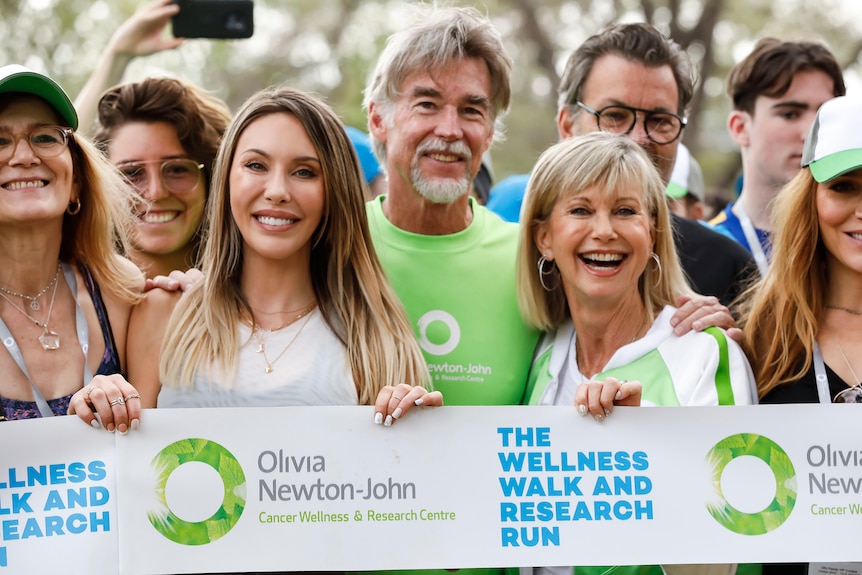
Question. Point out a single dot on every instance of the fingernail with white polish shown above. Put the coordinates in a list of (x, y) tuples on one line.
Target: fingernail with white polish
[(582, 410), (397, 413), (135, 424), (95, 423), (419, 401), (388, 421), (378, 418)]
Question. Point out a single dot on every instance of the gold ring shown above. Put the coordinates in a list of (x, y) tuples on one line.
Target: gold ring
[(118, 401), (396, 397), (90, 389), (132, 396)]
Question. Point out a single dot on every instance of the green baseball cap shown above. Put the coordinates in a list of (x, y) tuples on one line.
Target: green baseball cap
[(834, 143), (687, 177), (16, 78)]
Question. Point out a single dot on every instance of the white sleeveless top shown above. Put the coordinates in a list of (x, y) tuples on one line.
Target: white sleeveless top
[(313, 371)]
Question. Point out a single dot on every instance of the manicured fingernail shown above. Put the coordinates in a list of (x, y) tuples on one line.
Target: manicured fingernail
[(582, 410), (95, 423), (111, 428), (123, 429), (419, 401), (619, 395), (397, 413), (135, 424), (607, 412), (388, 421), (600, 418), (378, 418)]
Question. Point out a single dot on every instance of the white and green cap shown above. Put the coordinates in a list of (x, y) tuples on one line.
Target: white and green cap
[(16, 78), (834, 143), (687, 177)]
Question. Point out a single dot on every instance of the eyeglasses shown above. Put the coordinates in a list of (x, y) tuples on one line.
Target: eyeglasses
[(45, 141), (177, 175), (849, 395), (660, 127)]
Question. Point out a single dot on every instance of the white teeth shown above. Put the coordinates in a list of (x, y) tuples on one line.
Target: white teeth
[(27, 184), (443, 157), (270, 221), (159, 217), (603, 257), (856, 236)]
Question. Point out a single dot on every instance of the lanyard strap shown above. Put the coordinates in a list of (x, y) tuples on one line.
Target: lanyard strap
[(753, 240), (820, 376), (83, 339)]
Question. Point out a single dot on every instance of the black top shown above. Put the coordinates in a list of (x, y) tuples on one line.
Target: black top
[(714, 264), (803, 390)]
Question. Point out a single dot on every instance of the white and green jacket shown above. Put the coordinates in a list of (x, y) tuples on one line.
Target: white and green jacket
[(698, 368)]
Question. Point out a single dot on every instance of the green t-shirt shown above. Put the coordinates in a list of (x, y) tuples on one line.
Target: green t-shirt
[(459, 293)]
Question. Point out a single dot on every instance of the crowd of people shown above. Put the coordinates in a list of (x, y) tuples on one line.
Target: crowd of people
[(324, 281)]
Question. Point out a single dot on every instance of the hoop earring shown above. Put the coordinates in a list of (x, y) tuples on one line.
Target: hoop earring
[(73, 208), (549, 273), (655, 257)]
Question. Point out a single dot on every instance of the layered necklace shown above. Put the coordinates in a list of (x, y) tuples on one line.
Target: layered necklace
[(260, 336), (33, 299), (50, 340)]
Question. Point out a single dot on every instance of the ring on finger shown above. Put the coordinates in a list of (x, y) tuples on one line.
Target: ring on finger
[(132, 396), (89, 390), (118, 401), (396, 397)]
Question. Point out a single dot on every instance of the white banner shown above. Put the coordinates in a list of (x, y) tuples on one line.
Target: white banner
[(222, 490)]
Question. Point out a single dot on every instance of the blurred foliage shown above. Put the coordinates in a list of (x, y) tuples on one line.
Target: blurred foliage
[(328, 46)]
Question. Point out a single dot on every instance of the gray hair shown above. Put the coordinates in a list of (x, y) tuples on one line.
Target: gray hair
[(638, 42), (435, 37)]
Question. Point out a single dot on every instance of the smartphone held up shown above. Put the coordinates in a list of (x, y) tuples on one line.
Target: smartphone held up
[(223, 19)]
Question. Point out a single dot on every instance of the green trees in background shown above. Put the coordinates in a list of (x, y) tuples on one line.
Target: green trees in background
[(328, 46)]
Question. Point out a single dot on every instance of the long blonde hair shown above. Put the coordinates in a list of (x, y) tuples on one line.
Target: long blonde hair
[(100, 230), (612, 163), (355, 298), (780, 312)]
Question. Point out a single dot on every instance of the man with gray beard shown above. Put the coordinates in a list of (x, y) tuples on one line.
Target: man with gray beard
[(435, 104)]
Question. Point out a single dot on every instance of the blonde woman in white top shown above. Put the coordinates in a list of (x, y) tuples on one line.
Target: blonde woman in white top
[(294, 308)]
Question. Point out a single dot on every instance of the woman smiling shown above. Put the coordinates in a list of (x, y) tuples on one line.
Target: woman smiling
[(597, 269)]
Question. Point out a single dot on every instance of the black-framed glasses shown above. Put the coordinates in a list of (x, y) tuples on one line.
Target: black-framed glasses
[(45, 141), (660, 127), (177, 174), (849, 395)]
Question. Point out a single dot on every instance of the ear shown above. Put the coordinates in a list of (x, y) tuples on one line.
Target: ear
[(738, 124), (376, 122), (565, 123), (543, 240)]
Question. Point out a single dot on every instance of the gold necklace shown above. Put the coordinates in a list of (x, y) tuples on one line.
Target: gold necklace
[(49, 339), (261, 341)]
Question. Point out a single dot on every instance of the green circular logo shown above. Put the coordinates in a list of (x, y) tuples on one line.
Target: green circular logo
[(779, 463), (232, 476)]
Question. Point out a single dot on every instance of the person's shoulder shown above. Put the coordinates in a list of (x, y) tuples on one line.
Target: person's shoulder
[(507, 196), (692, 231)]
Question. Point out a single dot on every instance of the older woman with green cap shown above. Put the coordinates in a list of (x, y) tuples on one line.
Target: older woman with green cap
[(65, 294)]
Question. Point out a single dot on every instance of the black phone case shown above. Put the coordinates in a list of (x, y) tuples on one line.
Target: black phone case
[(214, 19)]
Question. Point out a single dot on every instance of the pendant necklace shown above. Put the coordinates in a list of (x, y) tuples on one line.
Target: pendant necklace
[(49, 339), (33, 299), (261, 340)]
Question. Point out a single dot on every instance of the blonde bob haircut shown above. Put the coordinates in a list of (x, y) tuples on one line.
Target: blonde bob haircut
[(612, 163), (780, 313), (354, 296)]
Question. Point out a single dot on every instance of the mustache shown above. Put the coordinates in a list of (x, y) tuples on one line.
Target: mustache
[(440, 145)]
